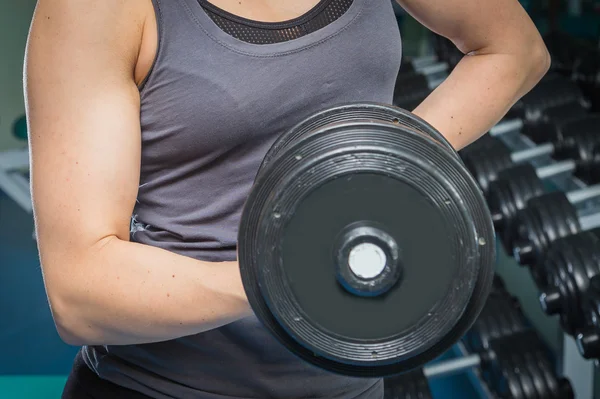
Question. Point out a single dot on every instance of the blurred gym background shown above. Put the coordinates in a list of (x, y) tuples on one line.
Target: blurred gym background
[(34, 362)]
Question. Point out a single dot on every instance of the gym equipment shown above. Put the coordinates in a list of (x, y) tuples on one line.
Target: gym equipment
[(545, 219), (509, 193), (412, 88), (513, 366), (423, 69), (337, 234), (567, 269), (518, 367), (489, 159), (556, 122), (14, 165), (409, 93), (411, 385), (501, 316), (588, 339), (589, 170), (541, 123)]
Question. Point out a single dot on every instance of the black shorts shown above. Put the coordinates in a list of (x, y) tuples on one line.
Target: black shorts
[(83, 383)]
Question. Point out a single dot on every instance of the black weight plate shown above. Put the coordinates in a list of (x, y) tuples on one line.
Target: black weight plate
[(545, 219), (589, 170), (409, 385), (588, 339), (509, 193), (479, 145), (554, 123), (532, 365), (413, 188), (578, 138), (570, 264), (351, 112), (485, 165), (551, 93), (522, 375)]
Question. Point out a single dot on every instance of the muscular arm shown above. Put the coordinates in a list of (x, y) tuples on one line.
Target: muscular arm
[(83, 108), (505, 58)]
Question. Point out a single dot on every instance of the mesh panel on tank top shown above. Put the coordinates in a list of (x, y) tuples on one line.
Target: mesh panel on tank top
[(255, 32)]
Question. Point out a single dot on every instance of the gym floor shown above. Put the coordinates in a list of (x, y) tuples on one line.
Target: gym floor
[(34, 362)]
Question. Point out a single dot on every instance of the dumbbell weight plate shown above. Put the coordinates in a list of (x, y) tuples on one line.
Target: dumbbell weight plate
[(509, 193), (546, 218), (348, 113), (522, 375), (392, 179), (569, 264), (484, 163)]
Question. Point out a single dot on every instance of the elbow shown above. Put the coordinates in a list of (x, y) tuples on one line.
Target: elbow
[(538, 61), (68, 326)]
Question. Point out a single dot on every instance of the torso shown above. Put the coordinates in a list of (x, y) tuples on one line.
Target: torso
[(210, 107), (257, 10)]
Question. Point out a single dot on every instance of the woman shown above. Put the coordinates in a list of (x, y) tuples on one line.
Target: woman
[(148, 121)]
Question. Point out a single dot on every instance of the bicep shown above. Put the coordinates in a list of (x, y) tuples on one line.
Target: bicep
[(475, 25), (83, 111)]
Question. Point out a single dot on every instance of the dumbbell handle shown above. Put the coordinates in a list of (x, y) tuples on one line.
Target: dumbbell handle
[(453, 366), (589, 222), (420, 62), (523, 250), (511, 125), (533, 152), (432, 69), (583, 194)]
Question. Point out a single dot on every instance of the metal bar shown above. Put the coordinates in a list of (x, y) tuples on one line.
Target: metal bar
[(431, 69), (555, 169), (14, 159), (453, 366), (423, 61), (534, 152), (578, 370), (13, 187), (590, 221), (584, 194), (474, 375), (505, 127)]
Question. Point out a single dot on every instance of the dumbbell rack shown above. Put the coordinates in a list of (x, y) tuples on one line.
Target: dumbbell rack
[(12, 180), (577, 369)]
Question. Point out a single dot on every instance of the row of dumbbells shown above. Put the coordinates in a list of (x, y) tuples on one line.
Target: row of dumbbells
[(552, 232), (504, 350)]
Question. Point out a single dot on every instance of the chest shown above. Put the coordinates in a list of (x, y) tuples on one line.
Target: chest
[(266, 10), (212, 98)]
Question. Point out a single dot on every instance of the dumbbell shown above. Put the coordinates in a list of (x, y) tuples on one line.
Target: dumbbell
[(423, 65), (556, 122), (541, 123), (501, 316), (523, 351), (487, 162), (588, 170), (509, 193), (409, 93), (565, 275), (336, 236), (411, 385), (588, 339), (412, 88), (520, 368), (545, 219)]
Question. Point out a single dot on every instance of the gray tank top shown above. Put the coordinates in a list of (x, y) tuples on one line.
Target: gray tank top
[(210, 108)]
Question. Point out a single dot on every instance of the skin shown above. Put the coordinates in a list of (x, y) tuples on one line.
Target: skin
[(84, 62)]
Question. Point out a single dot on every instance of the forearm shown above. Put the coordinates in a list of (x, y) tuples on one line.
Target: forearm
[(127, 293), (478, 93)]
